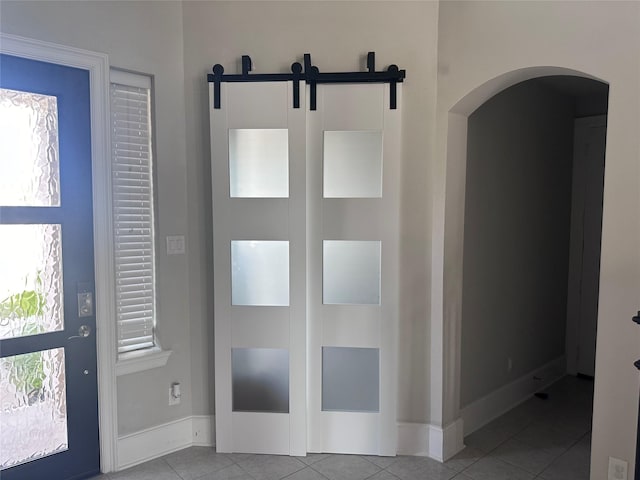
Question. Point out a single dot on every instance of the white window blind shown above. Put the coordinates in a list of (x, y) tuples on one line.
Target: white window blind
[(133, 222)]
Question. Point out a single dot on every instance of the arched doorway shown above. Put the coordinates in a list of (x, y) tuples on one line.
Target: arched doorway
[(450, 290)]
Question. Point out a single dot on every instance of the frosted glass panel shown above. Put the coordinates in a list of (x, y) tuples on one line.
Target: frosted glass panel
[(33, 415), (260, 378), (29, 160), (352, 164), (259, 272), (350, 379), (258, 163), (351, 272), (30, 280)]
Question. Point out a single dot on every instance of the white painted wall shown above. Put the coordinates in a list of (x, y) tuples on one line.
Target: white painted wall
[(516, 236), (144, 37), (338, 35), (479, 44)]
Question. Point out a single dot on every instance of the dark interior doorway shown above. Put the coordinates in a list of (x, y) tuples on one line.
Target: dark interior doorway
[(533, 216)]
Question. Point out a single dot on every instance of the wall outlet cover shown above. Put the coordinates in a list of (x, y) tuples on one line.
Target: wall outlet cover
[(617, 469), (175, 245), (173, 399)]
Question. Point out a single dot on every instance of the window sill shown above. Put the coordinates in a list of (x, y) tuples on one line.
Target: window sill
[(139, 361)]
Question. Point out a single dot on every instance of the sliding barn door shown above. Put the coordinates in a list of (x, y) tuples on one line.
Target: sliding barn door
[(353, 155), (306, 253), (259, 241)]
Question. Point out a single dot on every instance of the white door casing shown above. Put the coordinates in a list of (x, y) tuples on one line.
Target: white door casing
[(586, 232)]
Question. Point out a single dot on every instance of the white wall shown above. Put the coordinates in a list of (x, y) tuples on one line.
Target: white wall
[(144, 37), (516, 236), (338, 35), (480, 42)]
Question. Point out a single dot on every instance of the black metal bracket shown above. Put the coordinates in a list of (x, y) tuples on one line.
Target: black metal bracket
[(312, 77), (218, 76)]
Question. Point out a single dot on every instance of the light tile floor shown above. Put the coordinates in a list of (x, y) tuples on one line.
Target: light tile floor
[(544, 439)]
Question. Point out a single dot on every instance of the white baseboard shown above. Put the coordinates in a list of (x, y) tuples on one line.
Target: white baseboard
[(498, 402), (413, 439), (203, 431), (428, 440), (452, 441), (154, 442)]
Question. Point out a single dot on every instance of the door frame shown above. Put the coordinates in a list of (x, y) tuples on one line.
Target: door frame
[(97, 64), (572, 336)]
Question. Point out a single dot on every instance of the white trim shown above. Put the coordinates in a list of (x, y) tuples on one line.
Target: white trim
[(498, 402), (98, 66), (413, 439), (139, 360), (445, 442), (154, 442), (425, 440), (203, 434)]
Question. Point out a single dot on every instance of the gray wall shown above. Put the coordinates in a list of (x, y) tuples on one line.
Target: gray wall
[(145, 37), (516, 237)]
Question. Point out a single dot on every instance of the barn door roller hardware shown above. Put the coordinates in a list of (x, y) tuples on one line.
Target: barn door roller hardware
[(312, 76)]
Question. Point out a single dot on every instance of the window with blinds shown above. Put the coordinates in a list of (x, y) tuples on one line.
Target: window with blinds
[(133, 221)]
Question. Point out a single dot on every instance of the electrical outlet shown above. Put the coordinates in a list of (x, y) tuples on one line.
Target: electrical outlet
[(617, 469), (174, 394)]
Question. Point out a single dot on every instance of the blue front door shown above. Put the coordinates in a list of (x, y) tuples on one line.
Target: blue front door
[(48, 384)]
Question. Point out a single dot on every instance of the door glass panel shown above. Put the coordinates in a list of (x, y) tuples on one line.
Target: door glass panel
[(352, 164), (258, 163), (351, 272), (29, 160), (260, 378), (260, 273), (31, 280), (33, 416), (350, 379)]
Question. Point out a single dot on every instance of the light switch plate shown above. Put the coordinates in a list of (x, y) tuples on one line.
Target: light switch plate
[(175, 244), (617, 469)]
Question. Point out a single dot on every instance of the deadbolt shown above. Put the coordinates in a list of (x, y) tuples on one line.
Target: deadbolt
[(85, 304)]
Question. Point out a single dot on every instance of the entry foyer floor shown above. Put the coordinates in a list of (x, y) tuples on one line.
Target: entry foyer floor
[(544, 439)]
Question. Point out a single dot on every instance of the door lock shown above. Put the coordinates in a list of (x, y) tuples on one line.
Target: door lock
[(83, 332), (85, 304)]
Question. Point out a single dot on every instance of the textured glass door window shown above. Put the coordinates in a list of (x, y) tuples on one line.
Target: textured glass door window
[(258, 163), (260, 273), (351, 272), (33, 415), (30, 280), (350, 379), (29, 160), (260, 378), (352, 164)]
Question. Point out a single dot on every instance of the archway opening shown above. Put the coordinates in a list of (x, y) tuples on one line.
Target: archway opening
[(531, 249)]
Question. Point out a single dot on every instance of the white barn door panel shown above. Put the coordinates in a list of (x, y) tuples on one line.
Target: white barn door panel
[(259, 242), (353, 158)]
